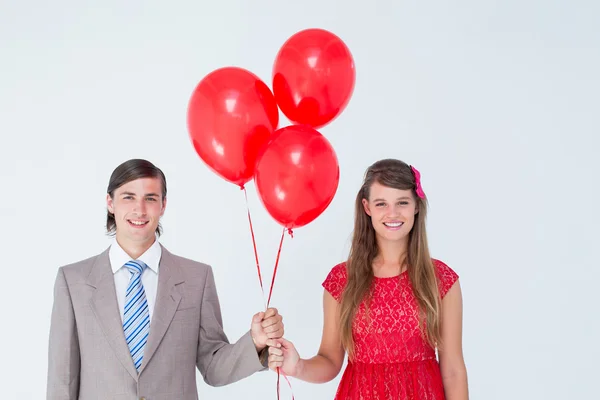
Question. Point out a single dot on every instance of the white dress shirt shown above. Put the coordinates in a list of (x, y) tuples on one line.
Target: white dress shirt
[(118, 257)]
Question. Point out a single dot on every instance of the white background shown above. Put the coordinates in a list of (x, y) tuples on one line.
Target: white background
[(495, 102)]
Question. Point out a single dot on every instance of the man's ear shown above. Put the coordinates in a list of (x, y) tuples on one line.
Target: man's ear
[(109, 204), (164, 206)]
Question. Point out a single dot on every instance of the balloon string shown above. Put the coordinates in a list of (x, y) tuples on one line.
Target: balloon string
[(288, 382), (277, 263), (269, 301), (279, 373), (254, 245)]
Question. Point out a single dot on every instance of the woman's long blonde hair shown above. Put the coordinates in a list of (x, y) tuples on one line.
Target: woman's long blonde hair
[(421, 271)]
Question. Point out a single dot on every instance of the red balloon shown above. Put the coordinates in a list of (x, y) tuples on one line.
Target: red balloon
[(231, 116), (313, 77), (297, 175)]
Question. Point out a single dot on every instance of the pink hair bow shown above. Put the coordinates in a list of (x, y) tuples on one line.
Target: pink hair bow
[(418, 187)]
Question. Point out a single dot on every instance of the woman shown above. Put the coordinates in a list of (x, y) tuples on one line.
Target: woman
[(390, 306)]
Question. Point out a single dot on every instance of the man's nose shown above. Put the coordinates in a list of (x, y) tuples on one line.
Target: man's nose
[(140, 207)]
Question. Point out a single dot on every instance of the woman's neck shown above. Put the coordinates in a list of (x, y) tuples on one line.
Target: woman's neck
[(391, 258)]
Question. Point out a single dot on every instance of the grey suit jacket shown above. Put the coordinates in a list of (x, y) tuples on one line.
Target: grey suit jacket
[(89, 359)]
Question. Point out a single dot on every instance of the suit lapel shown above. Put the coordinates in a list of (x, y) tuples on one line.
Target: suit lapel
[(167, 300), (105, 307)]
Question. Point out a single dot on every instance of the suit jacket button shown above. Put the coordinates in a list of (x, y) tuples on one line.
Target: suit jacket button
[(142, 398)]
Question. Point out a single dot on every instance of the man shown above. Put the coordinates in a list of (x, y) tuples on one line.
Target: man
[(135, 321)]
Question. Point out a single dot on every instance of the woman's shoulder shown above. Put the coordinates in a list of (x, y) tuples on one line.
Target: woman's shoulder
[(446, 276), (335, 281)]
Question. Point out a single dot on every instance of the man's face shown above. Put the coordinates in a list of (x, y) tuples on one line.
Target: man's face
[(137, 207)]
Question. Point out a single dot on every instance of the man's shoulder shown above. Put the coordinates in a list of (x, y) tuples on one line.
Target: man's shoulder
[(187, 264), (82, 267)]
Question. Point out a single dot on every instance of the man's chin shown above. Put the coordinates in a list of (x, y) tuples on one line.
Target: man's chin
[(140, 236)]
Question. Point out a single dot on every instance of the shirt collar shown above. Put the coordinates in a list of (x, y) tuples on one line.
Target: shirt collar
[(118, 257)]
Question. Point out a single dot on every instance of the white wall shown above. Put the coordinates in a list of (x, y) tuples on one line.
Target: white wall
[(495, 102)]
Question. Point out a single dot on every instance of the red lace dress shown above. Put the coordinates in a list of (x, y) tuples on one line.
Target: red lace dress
[(392, 360)]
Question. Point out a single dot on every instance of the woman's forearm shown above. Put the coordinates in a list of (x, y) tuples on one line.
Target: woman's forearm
[(456, 386), (318, 369)]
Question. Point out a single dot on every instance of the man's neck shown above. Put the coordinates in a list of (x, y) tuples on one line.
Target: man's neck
[(134, 249)]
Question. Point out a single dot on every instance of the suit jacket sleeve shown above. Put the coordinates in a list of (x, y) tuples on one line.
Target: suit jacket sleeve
[(63, 349), (220, 362)]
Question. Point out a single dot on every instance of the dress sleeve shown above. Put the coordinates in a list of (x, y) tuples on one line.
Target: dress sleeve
[(336, 281), (446, 277)]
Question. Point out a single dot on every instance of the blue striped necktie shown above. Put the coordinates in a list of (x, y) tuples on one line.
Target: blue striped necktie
[(136, 318)]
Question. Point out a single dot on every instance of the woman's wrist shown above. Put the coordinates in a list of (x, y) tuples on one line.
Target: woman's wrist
[(299, 368)]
